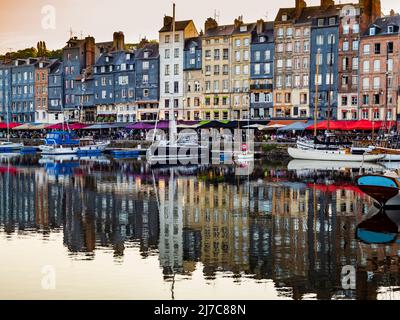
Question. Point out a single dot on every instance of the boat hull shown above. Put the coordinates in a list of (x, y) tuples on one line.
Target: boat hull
[(59, 150), (176, 154), (10, 147), (328, 155), (381, 188), (331, 165)]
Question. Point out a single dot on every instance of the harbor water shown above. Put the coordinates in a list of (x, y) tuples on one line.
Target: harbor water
[(105, 228)]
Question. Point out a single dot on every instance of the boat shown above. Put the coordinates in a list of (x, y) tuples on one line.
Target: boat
[(314, 165), (176, 149), (184, 150), (8, 146), (245, 155), (332, 155), (382, 188), (65, 143)]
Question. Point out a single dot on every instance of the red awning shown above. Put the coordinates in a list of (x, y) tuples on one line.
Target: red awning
[(368, 125), (333, 125), (3, 125), (71, 126)]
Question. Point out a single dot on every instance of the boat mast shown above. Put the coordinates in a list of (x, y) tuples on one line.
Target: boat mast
[(330, 84), (8, 122), (316, 92), (386, 125), (172, 125)]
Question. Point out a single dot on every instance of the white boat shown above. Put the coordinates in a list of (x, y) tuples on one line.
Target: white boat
[(8, 146), (245, 155), (332, 155), (314, 165), (64, 143)]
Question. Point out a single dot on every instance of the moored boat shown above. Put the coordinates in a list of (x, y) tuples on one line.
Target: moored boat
[(8, 146), (332, 155), (383, 188), (65, 143)]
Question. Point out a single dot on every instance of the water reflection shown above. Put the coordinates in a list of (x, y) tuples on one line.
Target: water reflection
[(298, 227)]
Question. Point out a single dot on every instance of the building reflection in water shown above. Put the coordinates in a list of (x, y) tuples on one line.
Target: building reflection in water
[(295, 228)]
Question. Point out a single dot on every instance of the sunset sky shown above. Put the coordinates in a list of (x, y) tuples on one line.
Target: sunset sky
[(21, 20)]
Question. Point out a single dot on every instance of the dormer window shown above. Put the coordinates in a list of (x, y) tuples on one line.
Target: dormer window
[(332, 21), (390, 29), (243, 28), (107, 59), (372, 31), (128, 56), (284, 17), (146, 54), (262, 39), (41, 65), (320, 22)]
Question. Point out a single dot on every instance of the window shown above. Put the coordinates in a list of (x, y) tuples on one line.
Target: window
[(346, 29), (377, 48), (366, 83), (365, 99), (176, 53), (238, 42), (355, 63), (257, 56), (366, 66), (344, 101), (167, 71), (167, 38), (367, 49), (167, 53), (176, 87), (318, 79), (331, 39), (345, 46), (320, 22), (216, 54), (176, 69), (145, 78), (226, 54), (145, 65), (390, 47), (377, 65), (320, 40), (355, 45), (177, 37), (390, 65), (267, 68), (356, 28), (390, 29), (377, 83), (332, 21), (354, 101), (166, 86), (289, 32), (372, 31)]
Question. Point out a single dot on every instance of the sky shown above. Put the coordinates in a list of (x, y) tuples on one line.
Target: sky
[(25, 22)]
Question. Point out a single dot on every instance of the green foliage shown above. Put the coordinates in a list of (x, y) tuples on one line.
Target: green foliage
[(269, 147)]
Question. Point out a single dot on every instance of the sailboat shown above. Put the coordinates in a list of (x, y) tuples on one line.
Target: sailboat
[(8, 146), (314, 150), (177, 149)]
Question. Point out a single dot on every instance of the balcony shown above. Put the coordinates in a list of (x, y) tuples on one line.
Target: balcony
[(267, 86)]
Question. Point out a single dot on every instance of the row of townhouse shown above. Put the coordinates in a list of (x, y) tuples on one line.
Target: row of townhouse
[(337, 60)]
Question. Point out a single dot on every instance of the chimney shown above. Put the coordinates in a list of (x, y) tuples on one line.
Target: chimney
[(238, 22), (118, 41), (210, 24), (167, 21), (300, 5), (392, 13), (325, 4), (370, 11), (260, 26), (143, 42), (90, 51)]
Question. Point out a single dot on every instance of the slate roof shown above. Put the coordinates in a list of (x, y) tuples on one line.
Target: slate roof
[(382, 25), (152, 48), (220, 31), (179, 26)]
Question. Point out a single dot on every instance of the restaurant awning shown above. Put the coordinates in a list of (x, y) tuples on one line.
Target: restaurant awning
[(66, 126), (11, 125), (163, 124), (100, 126), (296, 126), (31, 126), (342, 125), (368, 125)]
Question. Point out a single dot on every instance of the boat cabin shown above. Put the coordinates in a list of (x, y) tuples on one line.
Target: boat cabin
[(62, 138)]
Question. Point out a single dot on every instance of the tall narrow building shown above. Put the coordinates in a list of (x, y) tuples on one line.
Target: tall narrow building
[(172, 37)]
